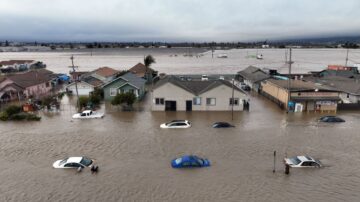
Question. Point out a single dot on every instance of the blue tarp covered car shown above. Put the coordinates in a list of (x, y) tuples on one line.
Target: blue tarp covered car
[(189, 161), (63, 77)]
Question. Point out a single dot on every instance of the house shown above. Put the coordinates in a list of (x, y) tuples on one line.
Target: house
[(34, 83), (85, 86), (349, 89), (140, 71), (304, 96), (172, 93), (252, 76), (15, 65), (105, 74), (128, 82), (77, 75)]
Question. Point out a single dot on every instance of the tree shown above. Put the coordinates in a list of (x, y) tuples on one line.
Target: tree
[(83, 101), (124, 98), (148, 60)]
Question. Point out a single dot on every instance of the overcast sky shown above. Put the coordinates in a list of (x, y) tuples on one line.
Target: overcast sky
[(176, 20)]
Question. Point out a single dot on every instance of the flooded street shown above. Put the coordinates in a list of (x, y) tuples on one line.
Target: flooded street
[(134, 156)]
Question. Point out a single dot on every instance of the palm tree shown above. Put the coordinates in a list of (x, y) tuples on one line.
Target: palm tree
[(148, 60)]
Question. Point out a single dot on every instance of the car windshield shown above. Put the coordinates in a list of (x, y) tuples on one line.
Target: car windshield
[(63, 161), (85, 161), (295, 160), (178, 160)]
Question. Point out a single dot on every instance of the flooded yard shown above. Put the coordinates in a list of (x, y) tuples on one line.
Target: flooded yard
[(134, 156)]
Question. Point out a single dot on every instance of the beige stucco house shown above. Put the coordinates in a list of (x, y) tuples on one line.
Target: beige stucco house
[(173, 94)]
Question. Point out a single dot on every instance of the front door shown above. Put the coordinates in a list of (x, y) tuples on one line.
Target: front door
[(188, 105), (170, 105)]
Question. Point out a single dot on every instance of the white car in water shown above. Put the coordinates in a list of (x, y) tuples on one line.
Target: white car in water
[(176, 124), (88, 114), (302, 162), (73, 162)]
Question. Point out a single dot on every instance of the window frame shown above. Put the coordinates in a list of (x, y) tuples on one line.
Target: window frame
[(236, 103), (159, 101), (195, 99), (209, 103), (112, 91)]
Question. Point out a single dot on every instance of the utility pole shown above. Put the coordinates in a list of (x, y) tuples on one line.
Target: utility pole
[(347, 57), (289, 80), (232, 101), (77, 92)]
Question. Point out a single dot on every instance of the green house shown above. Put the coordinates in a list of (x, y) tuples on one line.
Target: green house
[(128, 82)]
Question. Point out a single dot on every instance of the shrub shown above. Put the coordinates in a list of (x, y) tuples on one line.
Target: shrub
[(4, 116), (13, 109), (24, 116), (128, 98), (83, 101)]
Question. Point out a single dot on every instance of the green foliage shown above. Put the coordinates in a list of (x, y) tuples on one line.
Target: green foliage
[(13, 109), (148, 60), (24, 116), (83, 101), (128, 98), (4, 116)]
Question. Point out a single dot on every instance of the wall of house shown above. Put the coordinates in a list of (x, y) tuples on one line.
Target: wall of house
[(222, 94), (37, 90), (349, 98), (127, 88), (115, 84), (83, 88), (171, 92), (276, 92)]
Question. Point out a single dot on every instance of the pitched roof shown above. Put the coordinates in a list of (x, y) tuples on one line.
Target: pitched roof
[(140, 69), (106, 71), (134, 80), (298, 85), (253, 74), (31, 78), (195, 87), (93, 81), (12, 62), (339, 83)]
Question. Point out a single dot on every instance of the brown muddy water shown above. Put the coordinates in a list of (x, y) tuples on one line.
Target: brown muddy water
[(134, 156)]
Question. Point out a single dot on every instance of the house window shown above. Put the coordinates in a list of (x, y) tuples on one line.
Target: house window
[(121, 91), (211, 101), (348, 95), (236, 101), (159, 101), (132, 91), (197, 101), (113, 91)]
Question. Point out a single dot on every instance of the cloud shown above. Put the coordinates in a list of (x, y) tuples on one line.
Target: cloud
[(181, 20)]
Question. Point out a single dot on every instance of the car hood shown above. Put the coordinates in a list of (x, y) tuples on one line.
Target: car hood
[(288, 161), (56, 164), (76, 115)]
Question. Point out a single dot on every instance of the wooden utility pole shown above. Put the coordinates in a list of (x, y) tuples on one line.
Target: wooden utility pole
[(77, 92), (232, 100), (289, 80), (347, 57)]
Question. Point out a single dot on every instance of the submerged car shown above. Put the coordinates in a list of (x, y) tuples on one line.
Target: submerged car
[(302, 162), (176, 124), (88, 114), (331, 119), (189, 161), (73, 162), (222, 125)]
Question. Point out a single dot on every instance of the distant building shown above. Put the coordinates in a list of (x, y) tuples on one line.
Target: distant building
[(304, 96), (252, 76), (172, 93), (15, 65)]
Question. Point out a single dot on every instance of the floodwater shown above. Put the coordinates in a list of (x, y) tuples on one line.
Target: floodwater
[(305, 60), (134, 156)]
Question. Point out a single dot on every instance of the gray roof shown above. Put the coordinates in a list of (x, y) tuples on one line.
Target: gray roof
[(339, 83), (130, 78), (299, 85), (253, 74), (194, 86)]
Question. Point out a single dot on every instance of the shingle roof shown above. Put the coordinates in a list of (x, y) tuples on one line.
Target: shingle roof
[(31, 78), (140, 69), (298, 85), (195, 87), (339, 83), (134, 80), (106, 71), (12, 62), (93, 81), (253, 74)]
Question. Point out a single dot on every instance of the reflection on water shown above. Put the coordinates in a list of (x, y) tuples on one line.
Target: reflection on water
[(134, 156)]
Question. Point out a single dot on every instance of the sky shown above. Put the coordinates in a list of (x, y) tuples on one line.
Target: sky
[(176, 20)]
